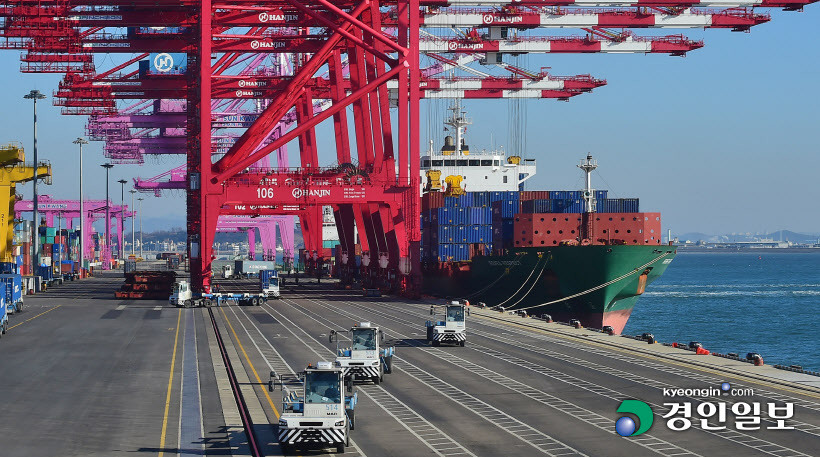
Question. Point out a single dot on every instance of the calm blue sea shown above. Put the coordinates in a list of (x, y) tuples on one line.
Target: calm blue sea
[(766, 302)]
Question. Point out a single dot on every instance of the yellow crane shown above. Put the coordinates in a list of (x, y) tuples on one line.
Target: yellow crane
[(14, 170)]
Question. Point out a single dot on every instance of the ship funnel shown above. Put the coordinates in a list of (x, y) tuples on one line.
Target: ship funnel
[(449, 146)]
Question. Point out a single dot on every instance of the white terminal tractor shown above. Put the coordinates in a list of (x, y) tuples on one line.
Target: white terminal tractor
[(452, 329), (368, 357), (182, 296), (317, 409)]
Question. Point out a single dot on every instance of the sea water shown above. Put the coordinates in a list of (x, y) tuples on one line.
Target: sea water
[(764, 301)]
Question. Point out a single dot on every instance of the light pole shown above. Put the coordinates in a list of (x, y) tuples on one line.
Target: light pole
[(107, 167), (35, 95), (132, 192), (81, 141), (57, 256), (140, 200), (122, 217)]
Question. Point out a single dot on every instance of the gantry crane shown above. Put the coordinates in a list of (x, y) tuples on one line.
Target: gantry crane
[(371, 53), (14, 170)]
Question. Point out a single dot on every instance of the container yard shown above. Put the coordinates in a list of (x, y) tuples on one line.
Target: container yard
[(497, 309)]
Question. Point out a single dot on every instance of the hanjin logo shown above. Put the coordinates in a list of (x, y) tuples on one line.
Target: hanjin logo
[(163, 62), (489, 19), (248, 93), (251, 83), (454, 45), (266, 44), (299, 193), (278, 16)]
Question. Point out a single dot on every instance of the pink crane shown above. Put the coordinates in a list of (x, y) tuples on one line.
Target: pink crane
[(70, 209)]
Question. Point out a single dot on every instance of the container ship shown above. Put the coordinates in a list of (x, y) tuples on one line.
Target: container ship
[(568, 254)]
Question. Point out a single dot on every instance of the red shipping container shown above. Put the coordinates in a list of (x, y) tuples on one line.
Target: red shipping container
[(534, 195)]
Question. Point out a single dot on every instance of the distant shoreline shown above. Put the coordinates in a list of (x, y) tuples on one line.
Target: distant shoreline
[(758, 251)]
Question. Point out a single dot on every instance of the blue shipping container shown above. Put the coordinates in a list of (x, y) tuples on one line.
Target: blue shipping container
[(480, 199), (507, 230), (45, 272), (575, 206), (496, 196), (510, 208), (461, 215), (265, 275), (462, 252), (477, 216), (10, 307), (460, 234), (13, 285), (446, 234)]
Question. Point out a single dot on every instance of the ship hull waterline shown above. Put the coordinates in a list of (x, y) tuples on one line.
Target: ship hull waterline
[(610, 278)]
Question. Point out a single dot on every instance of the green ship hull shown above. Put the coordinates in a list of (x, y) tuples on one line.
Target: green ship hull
[(596, 284)]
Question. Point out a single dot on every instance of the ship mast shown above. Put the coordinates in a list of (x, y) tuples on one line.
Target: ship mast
[(587, 218), (458, 123), (588, 166)]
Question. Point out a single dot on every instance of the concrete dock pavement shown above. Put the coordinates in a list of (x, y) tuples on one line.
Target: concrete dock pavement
[(85, 374)]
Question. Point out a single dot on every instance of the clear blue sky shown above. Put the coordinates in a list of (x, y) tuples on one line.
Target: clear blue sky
[(723, 140)]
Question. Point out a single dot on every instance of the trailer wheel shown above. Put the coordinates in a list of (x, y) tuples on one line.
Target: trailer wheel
[(207, 303), (254, 301), (376, 380), (462, 343)]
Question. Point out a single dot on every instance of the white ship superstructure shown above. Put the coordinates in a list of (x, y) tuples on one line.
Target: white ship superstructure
[(329, 232), (455, 166)]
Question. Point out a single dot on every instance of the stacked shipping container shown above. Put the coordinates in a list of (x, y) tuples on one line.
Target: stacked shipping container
[(550, 229), (458, 228)]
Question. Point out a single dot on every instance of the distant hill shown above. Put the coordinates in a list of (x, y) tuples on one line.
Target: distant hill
[(785, 235), (793, 237)]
